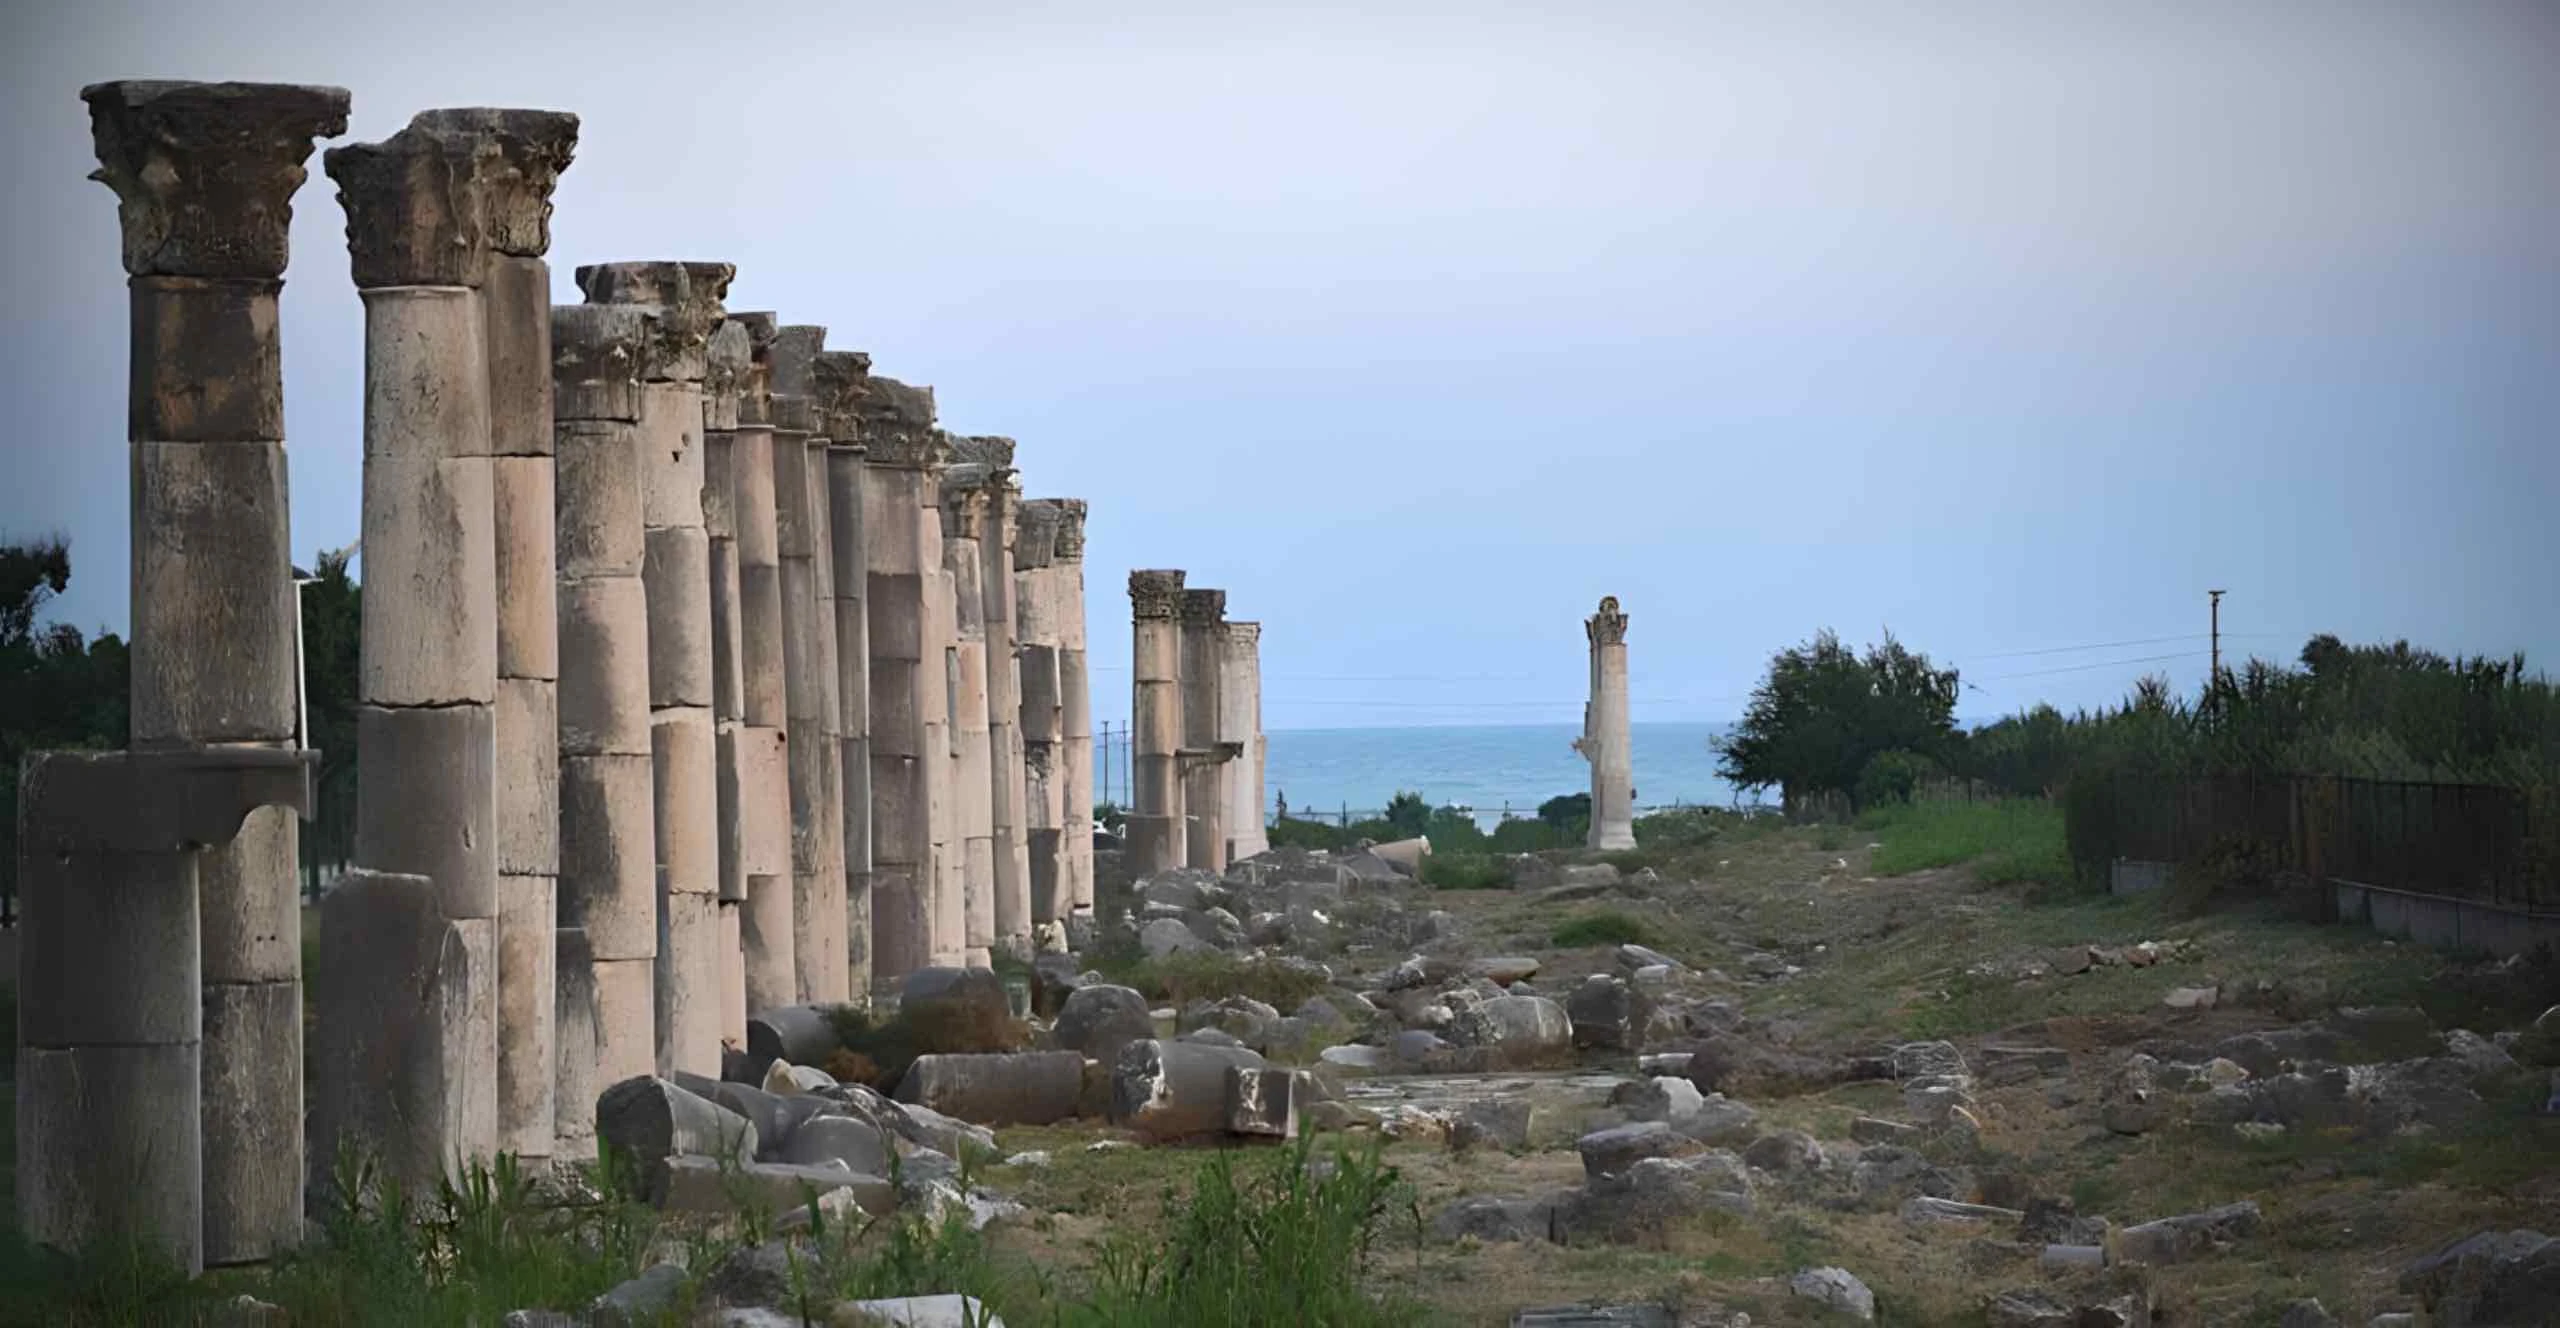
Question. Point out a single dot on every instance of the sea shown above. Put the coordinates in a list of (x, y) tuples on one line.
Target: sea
[(1487, 769)]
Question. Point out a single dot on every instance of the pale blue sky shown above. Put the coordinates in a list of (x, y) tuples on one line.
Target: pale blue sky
[(1418, 328)]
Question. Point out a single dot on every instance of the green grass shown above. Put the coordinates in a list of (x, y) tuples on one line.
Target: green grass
[(1180, 978), (2013, 841), (1465, 871), (1603, 928)]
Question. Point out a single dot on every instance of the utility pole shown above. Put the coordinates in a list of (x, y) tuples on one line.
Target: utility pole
[(2213, 686)]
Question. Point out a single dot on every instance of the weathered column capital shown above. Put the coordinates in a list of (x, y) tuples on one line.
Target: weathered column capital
[(1244, 633), (725, 363), (417, 206), (532, 148), (1608, 627), (755, 386), (838, 380), (1156, 593), (964, 499), (994, 451), (1035, 534), (599, 357), (1204, 608), (205, 173), (686, 297), (897, 426), (1070, 542)]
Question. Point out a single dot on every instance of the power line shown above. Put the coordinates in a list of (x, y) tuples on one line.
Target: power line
[(2101, 664)]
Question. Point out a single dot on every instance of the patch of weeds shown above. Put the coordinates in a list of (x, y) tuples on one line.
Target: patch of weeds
[(2014, 840), (1608, 927), (1633, 860), (886, 1047), (1830, 839), (1181, 978), (1465, 871)]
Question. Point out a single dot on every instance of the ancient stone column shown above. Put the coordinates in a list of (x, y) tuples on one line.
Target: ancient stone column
[(964, 509), (996, 535), (1075, 705), (533, 147), (1156, 827), (902, 527), (683, 747), (761, 818), (841, 378), (608, 940), (726, 362), (1043, 759), (831, 972), (1240, 723), (1604, 740), (204, 176), (817, 891), (1206, 755), (417, 228)]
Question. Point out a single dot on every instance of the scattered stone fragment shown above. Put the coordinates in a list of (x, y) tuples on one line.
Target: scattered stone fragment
[(1504, 969), (946, 1311), (1836, 1289), (2191, 998), (1356, 1057), (782, 1078), (2028, 1307), (1492, 1123), (1612, 1151), (1487, 1217), (2004, 1065), (651, 1120), (1262, 1101), (855, 1145), (1596, 1316), (2058, 1222), (642, 1300), (1922, 1209), (1785, 1152), (1517, 1030), (2185, 1237)]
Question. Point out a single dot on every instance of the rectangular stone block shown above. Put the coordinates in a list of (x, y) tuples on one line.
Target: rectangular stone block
[(684, 763), (678, 576), (515, 295), (1039, 680), (896, 603), (1262, 1102), (765, 936), (1047, 904), (250, 893), (671, 456), (573, 1041), (252, 1105), (213, 599), (430, 802), (528, 1013), (626, 1020), (95, 1104), (528, 570), (430, 629), (901, 921), (207, 364), (608, 854), (688, 983), (604, 691), (528, 767), (426, 376), (897, 718), (764, 779), (599, 498), (851, 620)]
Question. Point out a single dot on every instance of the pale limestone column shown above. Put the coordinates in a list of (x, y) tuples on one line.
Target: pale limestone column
[(833, 973), (607, 1020), (841, 378), (1075, 705), (902, 525), (1240, 723), (817, 891), (515, 296), (683, 747), (1043, 759), (964, 508), (204, 176), (417, 226), (1604, 741), (1156, 825), (726, 363), (996, 535), (763, 780), (1206, 756)]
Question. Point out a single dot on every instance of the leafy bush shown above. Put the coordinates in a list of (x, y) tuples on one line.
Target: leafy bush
[(1892, 777), (1454, 831), (2233, 865), (1290, 832), (1680, 828), (1465, 871), (1521, 835), (1607, 927)]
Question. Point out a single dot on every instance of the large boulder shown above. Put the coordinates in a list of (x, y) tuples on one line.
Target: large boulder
[(1165, 937), (1174, 1090), (2495, 1277), (1710, 1118), (1099, 1020), (1518, 1030), (1606, 1014), (1607, 1154), (1837, 1290), (649, 1120)]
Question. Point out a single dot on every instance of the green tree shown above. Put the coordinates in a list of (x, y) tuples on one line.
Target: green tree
[(1409, 813), (58, 689), (1823, 712), (332, 625)]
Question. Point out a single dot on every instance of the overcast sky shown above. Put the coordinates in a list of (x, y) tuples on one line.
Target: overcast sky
[(2010, 327)]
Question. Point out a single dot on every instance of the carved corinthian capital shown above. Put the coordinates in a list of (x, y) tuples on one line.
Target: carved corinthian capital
[(418, 206), (724, 363), (1204, 608), (204, 173), (599, 355), (532, 147), (896, 421), (1608, 627), (755, 385), (1035, 534), (686, 298), (838, 379), (1070, 545), (1156, 594)]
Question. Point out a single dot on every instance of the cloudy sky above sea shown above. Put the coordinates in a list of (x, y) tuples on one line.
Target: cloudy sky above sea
[(2010, 327)]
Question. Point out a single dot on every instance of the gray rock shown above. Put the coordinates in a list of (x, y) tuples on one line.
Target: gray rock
[(1492, 1123), (1590, 873), (2495, 1277), (1710, 1118), (2058, 1222), (1099, 1020), (1875, 1130), (1263, 1101), (1505, 969), (703, 1185), (2186, 1236), (2135, 1102), (856, 1145), (1596, 1316), (945, 1311), (756, 1275), (2482, 1057), (1658, 1189), (1785, 1152), (1837, 1290), (1354, 1056), (1632, 956), (1169, 936), (1914, 1060), (1761, 964), (1182, 888), (1000, 1088), (649, 1120), (642, 1300), (1172, 1090), (2005, 1065), (1520, 1030), (1487, 1217), (1215, 1037), (1612, 1151), (1604, 1014)]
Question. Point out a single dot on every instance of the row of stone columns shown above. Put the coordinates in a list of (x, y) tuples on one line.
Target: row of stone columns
[(700, 672), (1195, 726)]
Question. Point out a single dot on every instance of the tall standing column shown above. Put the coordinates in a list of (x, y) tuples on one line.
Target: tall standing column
[(831, 972), (996, 535), (677, 575), (1206, 755), (762, 814), (841, 378), (1604, 741), (902, 526), (1075, 704), (726, 362), (973, 769), (1155, 721), (817, 893), (417, 215), (1240, 723), (1043, 760), (515, 296), (606, 1004), (204, 176)]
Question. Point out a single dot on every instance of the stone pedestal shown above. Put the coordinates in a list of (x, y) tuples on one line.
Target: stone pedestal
[(1604, 741), (204, 176), (817, 809), (758, 751), (676, 573), (1206, 756), (418, 228), (607, 944), (840, 379), (1156, 827), (903, 456), (1075, 704), (1240, 725)]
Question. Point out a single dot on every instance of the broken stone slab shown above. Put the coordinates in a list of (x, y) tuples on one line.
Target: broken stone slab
[(945, 1311), (1356, 1057), (2004, 1065), (1001, 1088), (1099, 1020), (1596, 1316), (1835, 1289), (843, 1141), (1666, 1064), (1610, 1152), (2070, 1258), (2028, 1307), (1921, 1209), (2184, 1237), (714, 1185), (784, 1079), (1262, 1102), (1656, 1190), (652, 1120), (1172, 1090), (927, 1128), (1713, 1119), (1504, 969), (2058, 1222), (1633, 957), (2191, 998)]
